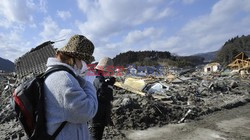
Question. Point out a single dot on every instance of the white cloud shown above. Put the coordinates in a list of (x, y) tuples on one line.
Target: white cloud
[(64, 14), (202, 34), (50, 28), (16, 10), (5, 23), (63, 37), (209, 32), (223, 15), (116, 26), (52, 31), (43, 5), (18, 19), (165, 13), (12, 45), (165, 44), (109, 17), (138, 35), (135, 40), (85, 5)]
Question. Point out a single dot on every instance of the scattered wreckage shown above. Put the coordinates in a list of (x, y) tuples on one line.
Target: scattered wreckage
[(241, 64), (142, 101)]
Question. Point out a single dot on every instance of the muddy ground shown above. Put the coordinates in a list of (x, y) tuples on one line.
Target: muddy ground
[(233, 124), (150, 117)]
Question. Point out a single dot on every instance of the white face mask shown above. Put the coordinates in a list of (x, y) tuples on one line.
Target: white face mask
[(82, 70), (77, 70)]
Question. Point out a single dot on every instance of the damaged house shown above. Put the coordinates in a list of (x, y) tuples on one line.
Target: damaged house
[(34, 61), (241, 63), (212, 67)]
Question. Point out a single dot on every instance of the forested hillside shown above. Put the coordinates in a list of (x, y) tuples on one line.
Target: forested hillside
[(152, 58), (233, 47)]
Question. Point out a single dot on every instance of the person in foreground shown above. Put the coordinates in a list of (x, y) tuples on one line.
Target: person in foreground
[(104, 86), (70, 98)]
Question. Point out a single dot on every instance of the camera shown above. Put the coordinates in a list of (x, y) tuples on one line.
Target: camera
[(110, 80)]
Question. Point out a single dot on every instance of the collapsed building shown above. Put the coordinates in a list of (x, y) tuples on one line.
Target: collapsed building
[(241, 63), (34, 61)]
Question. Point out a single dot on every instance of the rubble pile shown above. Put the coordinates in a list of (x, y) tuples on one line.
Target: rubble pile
[(183, 102), (6, 111), (185, 99), (135, 112), (11, 130), (9, 126)]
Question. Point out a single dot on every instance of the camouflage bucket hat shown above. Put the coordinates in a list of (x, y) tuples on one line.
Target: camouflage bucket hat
[(79, 47)]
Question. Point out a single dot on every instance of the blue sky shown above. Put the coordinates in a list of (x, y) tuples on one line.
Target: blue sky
[(183, 27)]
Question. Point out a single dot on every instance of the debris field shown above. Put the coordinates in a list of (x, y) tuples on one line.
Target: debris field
[(184, 100)]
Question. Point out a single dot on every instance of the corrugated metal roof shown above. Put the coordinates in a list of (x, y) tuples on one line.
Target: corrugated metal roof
[(35, 60)]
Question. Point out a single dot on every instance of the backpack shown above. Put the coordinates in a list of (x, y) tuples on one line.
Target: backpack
[(28, 103)]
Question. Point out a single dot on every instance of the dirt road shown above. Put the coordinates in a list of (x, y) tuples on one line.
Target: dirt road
[(231, 124)]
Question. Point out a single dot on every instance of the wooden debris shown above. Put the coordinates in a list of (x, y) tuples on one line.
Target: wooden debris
[(123, 86)]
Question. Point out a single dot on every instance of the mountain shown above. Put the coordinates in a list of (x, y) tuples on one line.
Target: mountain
[(6, 65), (233, 47), (209, 56), (156, 58), (142, 57)]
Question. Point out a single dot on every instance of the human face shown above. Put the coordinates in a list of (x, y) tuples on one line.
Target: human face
[(78, 63)]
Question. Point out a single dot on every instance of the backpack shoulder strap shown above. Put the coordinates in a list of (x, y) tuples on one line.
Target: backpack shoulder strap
[(58, 68), (59, 129), (47, 73)]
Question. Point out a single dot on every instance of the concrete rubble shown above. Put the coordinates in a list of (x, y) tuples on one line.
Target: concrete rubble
[(196, 95), (9, 126), (165, 102)]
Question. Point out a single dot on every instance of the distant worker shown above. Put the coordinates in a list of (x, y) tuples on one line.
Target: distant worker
[(69, 98), (104, 86)]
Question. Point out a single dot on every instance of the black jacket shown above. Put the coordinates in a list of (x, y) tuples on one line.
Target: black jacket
[(104, 92)]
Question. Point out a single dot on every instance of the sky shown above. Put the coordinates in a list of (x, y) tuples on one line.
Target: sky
[(182, 27)]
